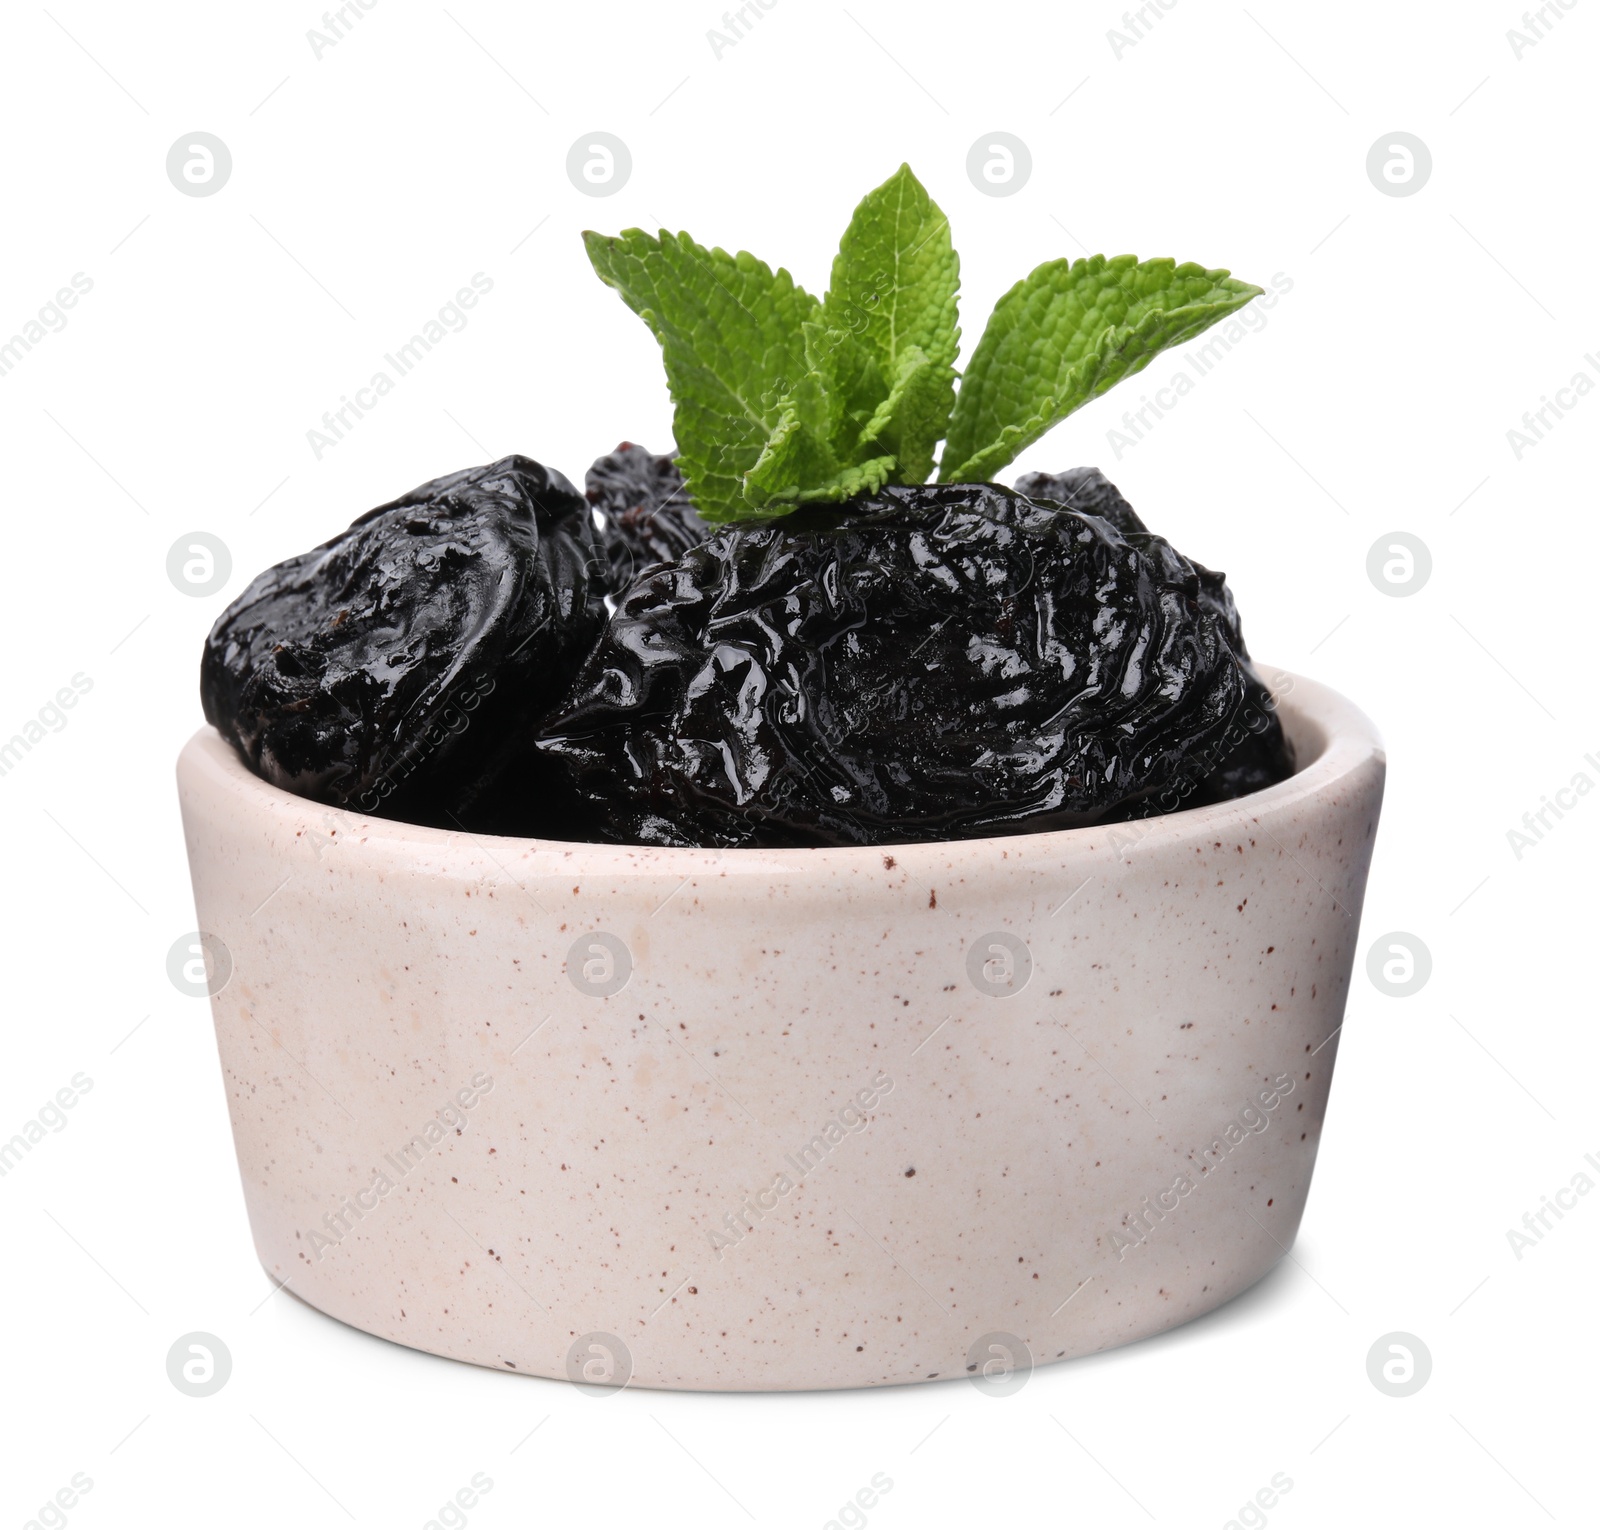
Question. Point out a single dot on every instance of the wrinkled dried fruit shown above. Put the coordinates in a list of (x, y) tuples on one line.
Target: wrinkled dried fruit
[(384, 670), (1086, 489), (647, 515), (930, 662), (1262, 754)]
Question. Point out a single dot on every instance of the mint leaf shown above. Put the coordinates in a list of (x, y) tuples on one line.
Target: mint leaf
[(797, 453), (910, 421), (800, 467), (730, 330), (851, 384), (857, 478), (1064, 335), (893, 290)]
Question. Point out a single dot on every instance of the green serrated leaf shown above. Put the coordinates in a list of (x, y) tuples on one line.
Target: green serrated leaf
[(799, 469), (797, 454), (895, 276), (849, 379), (910, 421), (1065, 334), (893, 291), (731, 335), (857, 478)]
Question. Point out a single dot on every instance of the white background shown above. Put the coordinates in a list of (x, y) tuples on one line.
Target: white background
[(367, 186)]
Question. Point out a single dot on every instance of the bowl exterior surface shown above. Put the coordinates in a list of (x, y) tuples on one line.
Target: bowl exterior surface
[(782, 1119)]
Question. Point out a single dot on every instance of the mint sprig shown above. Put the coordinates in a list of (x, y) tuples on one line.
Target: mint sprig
[(782, 400)]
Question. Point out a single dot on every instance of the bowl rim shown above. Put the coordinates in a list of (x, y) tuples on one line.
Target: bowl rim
[(1335, 739)]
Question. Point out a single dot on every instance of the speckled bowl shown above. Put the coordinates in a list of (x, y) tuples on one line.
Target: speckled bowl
[(782, 1119)]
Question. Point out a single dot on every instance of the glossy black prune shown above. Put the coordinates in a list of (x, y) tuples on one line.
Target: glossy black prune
[(384, 670), (1260, 752), (1086, 489), (1256, 752), (647, 516), (931, 662)]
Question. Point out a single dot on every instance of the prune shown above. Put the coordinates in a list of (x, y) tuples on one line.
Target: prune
[(1086, 489), (384, 670), (1256, 752), (647, 514), (1261, 752), (930, 662)]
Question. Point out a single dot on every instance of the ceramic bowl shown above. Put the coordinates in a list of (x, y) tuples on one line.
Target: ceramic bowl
[(765, 1119)]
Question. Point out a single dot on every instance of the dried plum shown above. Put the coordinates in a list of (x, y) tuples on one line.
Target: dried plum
[(1260, 752), (384, 670), (1256, 751), (930, 662), (647, 516), (1086, 489)]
